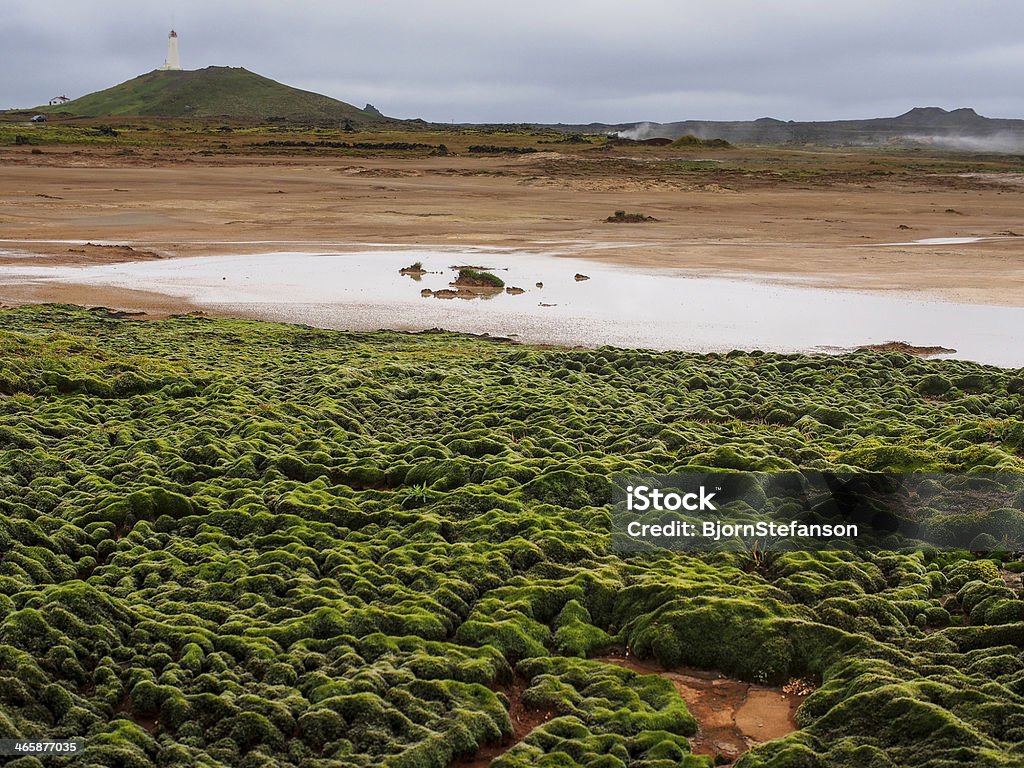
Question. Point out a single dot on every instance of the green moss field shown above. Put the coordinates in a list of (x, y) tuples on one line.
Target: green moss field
[(250, 545)]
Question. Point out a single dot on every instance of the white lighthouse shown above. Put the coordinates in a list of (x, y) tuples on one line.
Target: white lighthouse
[(173, 58)]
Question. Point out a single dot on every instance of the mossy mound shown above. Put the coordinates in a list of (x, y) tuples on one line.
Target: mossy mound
[(475, 278)]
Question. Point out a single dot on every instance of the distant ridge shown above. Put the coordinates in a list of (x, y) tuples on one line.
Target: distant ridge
[(228, 92), (958, 129)]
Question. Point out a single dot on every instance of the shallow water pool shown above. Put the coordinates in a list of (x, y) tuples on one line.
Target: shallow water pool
[(619, 306)]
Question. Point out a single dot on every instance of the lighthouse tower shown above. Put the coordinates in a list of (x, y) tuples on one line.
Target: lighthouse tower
[(173, 59)]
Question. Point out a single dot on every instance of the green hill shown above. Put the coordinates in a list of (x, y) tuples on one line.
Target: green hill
[(230, 92)]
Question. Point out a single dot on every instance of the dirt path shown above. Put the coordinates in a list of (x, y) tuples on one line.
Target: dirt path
[(523, 721), (732, 715), (1013, 580)]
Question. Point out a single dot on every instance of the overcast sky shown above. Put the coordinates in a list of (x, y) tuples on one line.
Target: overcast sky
[(546, 60)]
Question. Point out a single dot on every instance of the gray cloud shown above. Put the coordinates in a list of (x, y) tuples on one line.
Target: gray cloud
[(536, 60)]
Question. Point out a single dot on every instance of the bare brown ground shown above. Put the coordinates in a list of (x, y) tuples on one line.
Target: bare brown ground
[(732, 715), (144, 304), (759, 224)]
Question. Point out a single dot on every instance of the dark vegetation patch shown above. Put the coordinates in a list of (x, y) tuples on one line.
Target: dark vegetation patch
[(494, 149), (683, 142), (657, 141), (232, 543), (370, 145), (689, 140), (572, 138)]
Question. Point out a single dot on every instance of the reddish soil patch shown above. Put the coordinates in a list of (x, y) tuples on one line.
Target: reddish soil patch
[(1013, 580), (523, 721), (732, 716), (151, 724)]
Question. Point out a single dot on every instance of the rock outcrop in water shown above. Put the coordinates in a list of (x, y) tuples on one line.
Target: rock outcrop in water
[(413, 270), (475, 278), (907, 349)]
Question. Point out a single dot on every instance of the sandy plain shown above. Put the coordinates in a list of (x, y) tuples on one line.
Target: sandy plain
[(824, 217)]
